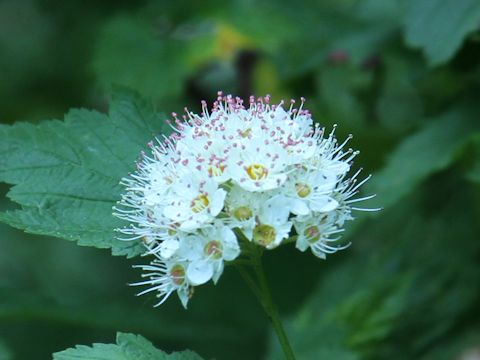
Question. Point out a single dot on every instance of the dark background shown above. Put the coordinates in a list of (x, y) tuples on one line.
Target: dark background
[(402, 76)]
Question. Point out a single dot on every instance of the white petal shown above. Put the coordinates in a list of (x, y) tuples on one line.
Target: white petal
[(282, 232), (173, 212), (199, 272), (274, 181), (318, 253), (168, 248), (301, 243), (183, 296), (218, 271), (324, 181), (218, 200), (280, 114), (190, 224), (153, 198), (228, 236), (231, 250), (338, 167), (247, 228), (191, 248), (299, 207), (275, 211), (323, 204)]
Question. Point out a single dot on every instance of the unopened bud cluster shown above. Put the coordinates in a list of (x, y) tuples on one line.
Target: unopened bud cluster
[(264, 170)]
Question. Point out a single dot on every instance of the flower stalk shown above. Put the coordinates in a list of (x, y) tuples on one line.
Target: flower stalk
[(259, 286)]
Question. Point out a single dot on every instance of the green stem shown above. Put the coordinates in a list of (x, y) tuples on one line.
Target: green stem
[(271, 309), (262, 291), (250, 282)]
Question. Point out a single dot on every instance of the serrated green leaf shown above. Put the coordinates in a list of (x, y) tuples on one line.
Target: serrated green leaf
[(127, 347), (66, 173), (425, 152), (440, 26)]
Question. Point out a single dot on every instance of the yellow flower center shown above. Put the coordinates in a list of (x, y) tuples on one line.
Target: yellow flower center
[(245, 133), (242, 213), (214, 249), (216, 170), (303, 190), (257, 172), (264, 234), (199, 203), (177, 272)]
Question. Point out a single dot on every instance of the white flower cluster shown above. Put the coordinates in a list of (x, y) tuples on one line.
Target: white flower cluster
[(264, 170)]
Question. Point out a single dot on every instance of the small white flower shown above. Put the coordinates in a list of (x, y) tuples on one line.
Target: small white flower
[(214, 245), (243, 207), (315, 232), (193, 202), (311, 191), (273, 225), (165, 278), (258, 165), (206, 251)]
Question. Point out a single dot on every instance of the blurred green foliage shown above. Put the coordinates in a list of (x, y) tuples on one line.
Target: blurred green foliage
[(402, 76)]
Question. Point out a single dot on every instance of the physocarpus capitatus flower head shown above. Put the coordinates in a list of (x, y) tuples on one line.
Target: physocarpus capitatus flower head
[(261, 172)]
